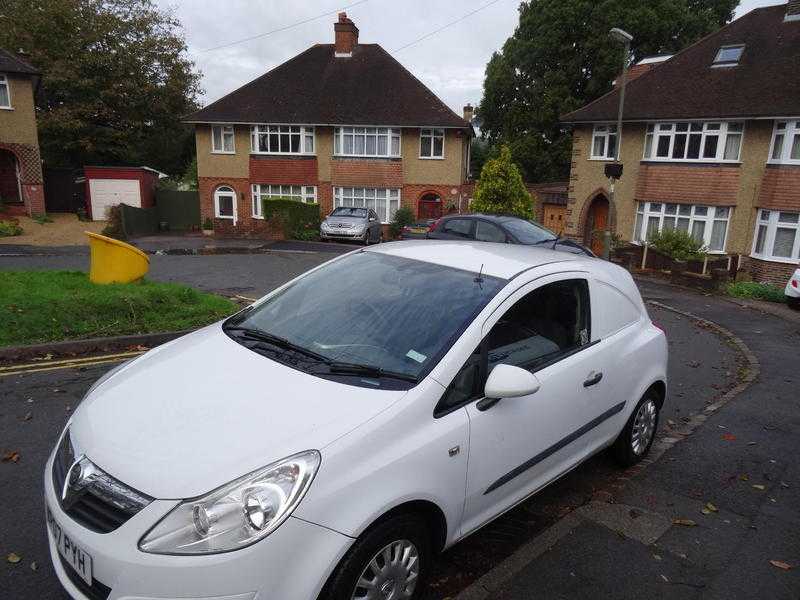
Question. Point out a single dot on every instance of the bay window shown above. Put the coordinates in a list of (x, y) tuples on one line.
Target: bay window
[(431, 143), (222, 139), (701, 142), (261, 192), (282, 139), (604, 142), (366, 141), (785, 148), (706, 224), (5, 92), (383, 201), (777, 236)]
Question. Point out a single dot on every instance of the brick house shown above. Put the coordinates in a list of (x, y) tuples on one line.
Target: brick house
[(338, 124), (710, 145), (21, 188)]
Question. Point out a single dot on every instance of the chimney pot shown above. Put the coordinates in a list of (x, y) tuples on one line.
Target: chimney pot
[(346, 36), (469, 111)]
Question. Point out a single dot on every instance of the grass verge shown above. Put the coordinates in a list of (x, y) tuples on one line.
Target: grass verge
[(756, 291), (48, 306)]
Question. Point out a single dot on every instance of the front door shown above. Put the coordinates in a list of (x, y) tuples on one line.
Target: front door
[(596, 224), (518, 445), (430, 207)]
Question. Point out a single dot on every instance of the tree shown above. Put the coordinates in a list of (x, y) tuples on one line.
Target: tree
[(115, 80), (500, 190), (561, 57)]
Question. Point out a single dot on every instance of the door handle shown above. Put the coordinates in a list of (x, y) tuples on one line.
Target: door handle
[(594, 379)]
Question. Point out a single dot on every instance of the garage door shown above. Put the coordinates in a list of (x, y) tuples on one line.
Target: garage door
[(110, 192)]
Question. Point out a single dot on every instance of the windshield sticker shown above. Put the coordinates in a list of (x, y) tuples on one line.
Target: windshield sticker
[(414, 355)]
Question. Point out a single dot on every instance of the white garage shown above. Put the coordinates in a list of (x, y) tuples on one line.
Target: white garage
[(110, 192)]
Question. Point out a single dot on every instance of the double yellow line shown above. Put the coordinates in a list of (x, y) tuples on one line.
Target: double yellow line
[(71, 363)]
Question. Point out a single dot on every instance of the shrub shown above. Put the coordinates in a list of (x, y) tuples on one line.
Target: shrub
[(298, 220), (678, 245), (500, 189), (403, 216), (208, 224), (757, 291), (10, 228), (114, 227), (42, 218)]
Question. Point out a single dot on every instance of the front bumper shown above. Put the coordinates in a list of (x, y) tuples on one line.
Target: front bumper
[(292, 563), (346, 234)]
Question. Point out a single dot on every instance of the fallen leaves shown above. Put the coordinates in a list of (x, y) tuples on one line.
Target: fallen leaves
[(728, 437), (759, 487), (780, 564), (711, 507), (11, 456), (13, 558), (684, 522)]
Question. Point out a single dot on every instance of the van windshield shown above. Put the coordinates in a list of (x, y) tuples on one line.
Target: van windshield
[(391, 317)]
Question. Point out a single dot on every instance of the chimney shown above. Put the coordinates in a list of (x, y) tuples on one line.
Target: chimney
[(792, 11), (469, 111), (346, 36)]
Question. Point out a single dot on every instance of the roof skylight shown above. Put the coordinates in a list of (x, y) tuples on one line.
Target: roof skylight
[(728, 56)]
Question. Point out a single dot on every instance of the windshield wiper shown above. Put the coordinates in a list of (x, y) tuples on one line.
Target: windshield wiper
[(275, 340), (345, 368), (553, 241)]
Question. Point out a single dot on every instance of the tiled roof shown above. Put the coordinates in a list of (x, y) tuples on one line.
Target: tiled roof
[(10, 63), (764, 84), (317, 88)]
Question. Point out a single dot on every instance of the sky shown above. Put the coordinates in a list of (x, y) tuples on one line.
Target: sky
[(450, 62)]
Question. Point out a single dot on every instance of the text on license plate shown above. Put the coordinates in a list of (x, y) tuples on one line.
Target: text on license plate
[(73, 554)]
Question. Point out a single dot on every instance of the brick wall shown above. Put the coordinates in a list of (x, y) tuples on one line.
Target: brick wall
[(294, 171), (780, 188), (412, 193), (366, 173), (764, 271), (691, 184)]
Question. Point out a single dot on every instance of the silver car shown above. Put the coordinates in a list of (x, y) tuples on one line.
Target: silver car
[(352, 223)]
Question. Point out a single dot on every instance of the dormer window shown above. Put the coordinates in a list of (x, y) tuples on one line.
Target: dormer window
[(728, 56)]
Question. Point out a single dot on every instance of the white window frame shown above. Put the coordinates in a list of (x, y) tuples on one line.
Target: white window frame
[(392, 135), (718, 62), (262, 191), (276, 134), (789, 131), (772, 220), (226, 190), (604, 131), (360, 197), (432, 134), (4, 82), (225, 132), (688, 213), (689, 129)]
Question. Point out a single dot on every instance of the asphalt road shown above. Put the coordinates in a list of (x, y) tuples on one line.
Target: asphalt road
[(35, 407)]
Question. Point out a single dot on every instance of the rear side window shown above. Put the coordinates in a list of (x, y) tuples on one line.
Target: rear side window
[(612, 310), (486, 232), (458, 227), (546, 324)]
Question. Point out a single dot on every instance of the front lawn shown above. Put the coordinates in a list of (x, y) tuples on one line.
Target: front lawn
[(46, 306), (756, 291)]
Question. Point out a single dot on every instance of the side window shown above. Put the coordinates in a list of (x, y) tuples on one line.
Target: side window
[(466, 386), (547, 323), (486, 232), (458, 227)]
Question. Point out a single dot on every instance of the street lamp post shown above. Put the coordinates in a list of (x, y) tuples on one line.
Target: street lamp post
[(625, 38)]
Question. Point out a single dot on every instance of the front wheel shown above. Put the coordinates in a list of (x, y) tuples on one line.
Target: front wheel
[(388, 562), (637, 437)]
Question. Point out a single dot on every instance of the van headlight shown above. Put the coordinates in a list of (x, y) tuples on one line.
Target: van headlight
[(237, 514)]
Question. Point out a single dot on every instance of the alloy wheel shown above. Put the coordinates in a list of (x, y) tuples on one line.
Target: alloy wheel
[(391, 574), (644, 427)]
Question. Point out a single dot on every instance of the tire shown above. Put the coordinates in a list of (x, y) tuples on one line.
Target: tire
[(395, 533), (366, 238), (794, 303), (627, 449)]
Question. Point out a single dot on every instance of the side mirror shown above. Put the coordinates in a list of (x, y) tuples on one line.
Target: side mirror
[(371, 219), (508, 381)]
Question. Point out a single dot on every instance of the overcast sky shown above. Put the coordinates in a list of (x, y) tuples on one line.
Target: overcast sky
[(450, 62)]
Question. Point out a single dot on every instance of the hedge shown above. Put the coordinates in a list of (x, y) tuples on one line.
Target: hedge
[(299, 221)]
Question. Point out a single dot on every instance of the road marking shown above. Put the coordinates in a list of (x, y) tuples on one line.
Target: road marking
[(81, 362), (70, 360)]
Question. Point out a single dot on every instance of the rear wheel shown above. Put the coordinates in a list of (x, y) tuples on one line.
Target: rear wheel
[(637, 437), (388, 562)]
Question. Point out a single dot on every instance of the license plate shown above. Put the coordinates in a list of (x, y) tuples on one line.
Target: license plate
[(78, 559)]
